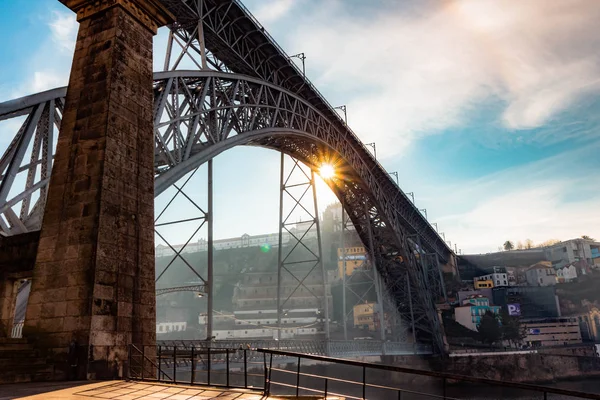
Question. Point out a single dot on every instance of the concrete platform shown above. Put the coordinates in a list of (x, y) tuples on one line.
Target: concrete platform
[(124, 390)]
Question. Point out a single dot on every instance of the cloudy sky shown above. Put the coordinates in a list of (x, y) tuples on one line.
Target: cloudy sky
[(488, 110)]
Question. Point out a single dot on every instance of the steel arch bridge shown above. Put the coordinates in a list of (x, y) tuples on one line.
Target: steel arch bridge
[(246, 91)]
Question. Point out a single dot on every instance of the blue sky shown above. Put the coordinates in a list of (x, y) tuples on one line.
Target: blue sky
[(490, 115)]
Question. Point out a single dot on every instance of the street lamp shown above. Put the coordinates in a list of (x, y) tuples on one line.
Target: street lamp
[(302, 57), (435, 224), (443, 235), (396, 175), (374, 149), (424, 210), (412, 196), (343, 108)]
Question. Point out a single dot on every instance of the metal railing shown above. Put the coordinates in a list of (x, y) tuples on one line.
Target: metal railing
[(198, 365), (17, 330), (326, 376)]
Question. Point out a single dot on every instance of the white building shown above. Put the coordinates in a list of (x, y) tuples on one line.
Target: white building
[(566, 274), (166, 327), (499, 276), (269, 239)]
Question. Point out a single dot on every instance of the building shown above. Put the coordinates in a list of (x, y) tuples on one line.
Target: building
[(541, 274), (244, 241), (572, 251), (568, 273), (589, 324), (263, 324), (364, 315), (472, 309), (533, 301), (355, 259), (483, 284), (168, 327), (464, 294), (552, 332), (498, 276)]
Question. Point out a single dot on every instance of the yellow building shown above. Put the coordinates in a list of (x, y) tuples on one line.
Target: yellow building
[(364, 316), (355, 258), (484, 284)]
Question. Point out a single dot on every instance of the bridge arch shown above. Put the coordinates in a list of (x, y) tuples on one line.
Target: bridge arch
[(199, 114)]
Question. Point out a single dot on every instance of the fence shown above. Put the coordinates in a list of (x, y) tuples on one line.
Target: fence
[(278, 373), (326, 376)]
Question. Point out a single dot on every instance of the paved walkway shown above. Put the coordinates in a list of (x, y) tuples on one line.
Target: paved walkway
[(120, 390)]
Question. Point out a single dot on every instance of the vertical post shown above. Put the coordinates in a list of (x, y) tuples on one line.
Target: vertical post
[(343, 246), (298, 377), (378, 291), (266, 387), (209, 272), (169, 49), (143, 360), (444, 389), (270, 372), (201, 35), (437, 263), (193, 374), (129, 359), (208, 366), (174, 364), (245, 370), (279, 249), (326, 381), (318, 225), (159, 362), (375, 275), (412, 316), (364, 387), (227, 365)]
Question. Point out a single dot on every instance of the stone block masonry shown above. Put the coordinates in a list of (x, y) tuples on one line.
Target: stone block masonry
[(93, 280)]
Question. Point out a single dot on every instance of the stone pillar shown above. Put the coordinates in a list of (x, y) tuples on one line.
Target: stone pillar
[(93, 279)]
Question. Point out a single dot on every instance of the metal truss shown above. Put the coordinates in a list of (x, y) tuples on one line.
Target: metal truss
[(192, 288), (199, 114), (236, 42), (301, 259)]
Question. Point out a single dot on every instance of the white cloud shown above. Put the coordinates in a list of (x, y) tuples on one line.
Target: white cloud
[(63, 27), (407, 75), (541, 200), (272, 10)]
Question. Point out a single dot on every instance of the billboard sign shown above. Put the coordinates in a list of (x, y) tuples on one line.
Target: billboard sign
[(514, 310), (534, 331)]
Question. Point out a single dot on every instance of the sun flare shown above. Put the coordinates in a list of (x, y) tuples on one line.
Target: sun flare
[(327, 171)]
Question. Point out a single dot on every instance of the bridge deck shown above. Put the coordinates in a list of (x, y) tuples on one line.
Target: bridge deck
[(122, 390)]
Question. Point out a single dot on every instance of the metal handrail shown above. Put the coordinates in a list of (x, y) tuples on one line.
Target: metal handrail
[(446, 377)]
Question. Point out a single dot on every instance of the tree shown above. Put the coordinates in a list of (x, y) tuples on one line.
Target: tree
[(586, 237), (512, 329), (548, 243), (508, 245), (489, 328), (520, 245), (529, 244)]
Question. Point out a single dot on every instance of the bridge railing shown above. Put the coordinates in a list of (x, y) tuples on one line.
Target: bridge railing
[(312, 375), (335, 348), (191, 365)]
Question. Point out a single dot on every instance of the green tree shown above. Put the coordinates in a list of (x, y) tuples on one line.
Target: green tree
[(508, 245), (512, 329), (489, 328), (586, 237)]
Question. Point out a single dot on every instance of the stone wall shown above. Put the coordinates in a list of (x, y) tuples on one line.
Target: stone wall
[(532, 368)]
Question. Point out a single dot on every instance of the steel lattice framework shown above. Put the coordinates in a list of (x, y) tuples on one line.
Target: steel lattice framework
[(247, 92)]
